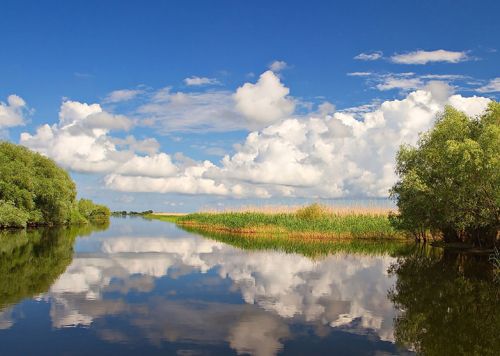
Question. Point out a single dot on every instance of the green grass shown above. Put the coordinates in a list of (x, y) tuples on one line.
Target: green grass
[(309, 231), (322, 226), (167, 218)]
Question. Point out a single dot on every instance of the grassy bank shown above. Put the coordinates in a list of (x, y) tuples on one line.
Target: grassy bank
[(310, 223), (310, 231)]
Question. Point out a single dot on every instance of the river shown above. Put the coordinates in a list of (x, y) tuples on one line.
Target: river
[(148, 287)]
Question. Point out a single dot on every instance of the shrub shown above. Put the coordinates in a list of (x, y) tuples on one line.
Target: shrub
[(10, 216), (76, 217), (314, 211), (93, 212)]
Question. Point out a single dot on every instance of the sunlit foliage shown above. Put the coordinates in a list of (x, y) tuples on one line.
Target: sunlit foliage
[(450, 183), (35, 191)]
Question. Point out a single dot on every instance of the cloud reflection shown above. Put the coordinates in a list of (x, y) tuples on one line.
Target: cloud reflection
[(343, 292)]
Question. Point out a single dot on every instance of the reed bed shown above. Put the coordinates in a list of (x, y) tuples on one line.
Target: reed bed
[(311, 223), (342, 210)]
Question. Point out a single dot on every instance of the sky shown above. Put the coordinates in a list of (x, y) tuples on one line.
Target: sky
[(189, 105)]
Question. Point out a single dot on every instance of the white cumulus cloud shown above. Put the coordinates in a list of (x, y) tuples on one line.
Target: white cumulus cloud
[(81, 141), (339, 155), (187, 180), (325, 154), (266, 101)]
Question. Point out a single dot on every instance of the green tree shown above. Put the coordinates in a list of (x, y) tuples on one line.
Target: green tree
[(93, 212), (450, 183), (10, 216), (35, 191)]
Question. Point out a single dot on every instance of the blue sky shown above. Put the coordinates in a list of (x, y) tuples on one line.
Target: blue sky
[(184, 78)]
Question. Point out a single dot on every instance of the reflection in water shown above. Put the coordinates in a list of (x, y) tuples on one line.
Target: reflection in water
[(30, 261), (342, 291), (451, 306), (142, 285)]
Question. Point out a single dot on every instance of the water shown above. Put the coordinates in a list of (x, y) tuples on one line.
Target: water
[(148, 287)]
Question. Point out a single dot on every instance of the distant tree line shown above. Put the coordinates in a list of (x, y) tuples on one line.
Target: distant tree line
[(34, 191), (125, 213)]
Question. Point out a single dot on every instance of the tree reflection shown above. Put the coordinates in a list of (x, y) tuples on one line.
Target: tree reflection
[(31, 260), (447, 306)]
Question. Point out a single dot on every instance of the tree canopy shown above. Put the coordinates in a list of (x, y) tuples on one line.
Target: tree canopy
[(450, 182), (35, 191)]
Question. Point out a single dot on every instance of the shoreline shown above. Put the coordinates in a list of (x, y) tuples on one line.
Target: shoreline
[(264, 231), (311, 245), (305, 224), (226, 227)]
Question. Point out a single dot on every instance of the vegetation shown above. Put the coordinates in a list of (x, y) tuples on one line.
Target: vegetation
[(307, 245), (312, 223), (304, 246), (132, 213), (11, 216), (32, 259), (448, 303), (34, 191), (163, 217), (450, 183), (93, 212)]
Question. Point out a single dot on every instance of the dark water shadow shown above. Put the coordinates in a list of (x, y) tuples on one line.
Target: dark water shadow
[(31, 260), (449, 303)]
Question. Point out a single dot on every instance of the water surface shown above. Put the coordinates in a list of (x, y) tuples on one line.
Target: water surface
[(149, 287)]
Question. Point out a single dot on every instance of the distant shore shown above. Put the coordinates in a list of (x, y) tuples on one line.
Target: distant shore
[(170, 214)]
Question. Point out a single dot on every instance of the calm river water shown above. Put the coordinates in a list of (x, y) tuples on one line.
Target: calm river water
[(147, 287)]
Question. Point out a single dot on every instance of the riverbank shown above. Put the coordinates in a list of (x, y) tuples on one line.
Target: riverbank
[(291, 233)]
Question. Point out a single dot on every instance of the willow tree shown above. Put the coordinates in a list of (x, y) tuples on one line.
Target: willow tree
[(449, 184), (34, 190)]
